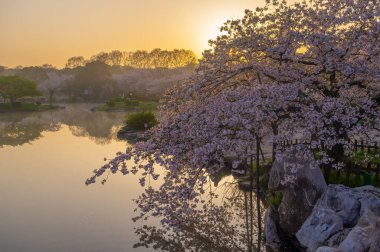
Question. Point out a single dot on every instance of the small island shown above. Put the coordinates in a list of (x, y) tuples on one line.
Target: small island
[(126, 104), (19, 94), (135, 126)]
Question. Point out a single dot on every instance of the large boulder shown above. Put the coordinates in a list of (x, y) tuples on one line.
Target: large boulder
[(318, 228), (297, 176), (365, 235), (369, 198), (335, 219)]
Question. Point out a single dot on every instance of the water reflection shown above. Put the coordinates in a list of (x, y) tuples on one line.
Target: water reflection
[(46, 206), (21, 128), (227, 224)]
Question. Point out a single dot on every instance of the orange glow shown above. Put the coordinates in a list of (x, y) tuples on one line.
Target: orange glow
[(50, 31)]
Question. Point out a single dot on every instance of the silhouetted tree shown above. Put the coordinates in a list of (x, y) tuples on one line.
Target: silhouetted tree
[(76, 61), (92, 82), (33, 73)]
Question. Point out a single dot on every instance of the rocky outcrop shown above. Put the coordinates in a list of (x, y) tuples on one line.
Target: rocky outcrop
[(345, 219), (130, 135), (299, 179), (365, 235)]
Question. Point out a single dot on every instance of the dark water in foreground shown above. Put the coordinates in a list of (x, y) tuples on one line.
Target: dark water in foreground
[(44, 204)]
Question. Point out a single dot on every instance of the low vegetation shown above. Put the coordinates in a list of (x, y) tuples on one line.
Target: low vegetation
[(127, 104), (24, 107), (275, 200), (141, 120)]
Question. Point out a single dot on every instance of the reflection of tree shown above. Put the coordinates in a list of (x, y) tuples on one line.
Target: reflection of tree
[(100, 127), (18, 130), (100, 140), (228, 224)]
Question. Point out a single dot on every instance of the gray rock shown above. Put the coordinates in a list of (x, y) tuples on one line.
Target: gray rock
[(369, 197), (328, 249), (318, 228), (375, 246), (337, 238), (301, 192), (363, 235), (343, 202), (271, 236), (335, 213)]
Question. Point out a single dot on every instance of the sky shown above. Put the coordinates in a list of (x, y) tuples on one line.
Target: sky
[(36, 32)]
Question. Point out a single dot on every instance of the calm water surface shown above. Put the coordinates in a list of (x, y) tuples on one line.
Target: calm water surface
[(44, 203), (45, 159)]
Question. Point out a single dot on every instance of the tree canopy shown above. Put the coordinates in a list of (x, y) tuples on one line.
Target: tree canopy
[(156, 58), (92, 82), (15, 87)]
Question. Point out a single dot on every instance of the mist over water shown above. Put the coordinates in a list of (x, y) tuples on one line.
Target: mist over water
[(45, 205)]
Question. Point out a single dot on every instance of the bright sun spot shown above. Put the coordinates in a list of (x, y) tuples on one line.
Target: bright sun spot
[(211, 29)]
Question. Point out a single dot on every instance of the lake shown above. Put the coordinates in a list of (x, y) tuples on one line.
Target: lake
[(45, 205)]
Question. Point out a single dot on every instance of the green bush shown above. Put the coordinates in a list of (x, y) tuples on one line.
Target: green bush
[(275, 200), (119, 99), (141, 120), (131, 103), (364, 157), (110, 103)]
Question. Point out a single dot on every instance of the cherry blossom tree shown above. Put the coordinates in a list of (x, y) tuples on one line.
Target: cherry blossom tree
[(308, 69), (52, 84)]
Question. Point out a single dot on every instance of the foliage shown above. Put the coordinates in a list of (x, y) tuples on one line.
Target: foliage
[(15, 87), (34, 73), (76, 61), (93, 82), (352, 181), (364, 157), (275, 200), (141, 120)]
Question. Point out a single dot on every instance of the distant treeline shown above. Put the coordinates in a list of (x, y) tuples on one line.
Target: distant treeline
[(156, 58), (97, 81)]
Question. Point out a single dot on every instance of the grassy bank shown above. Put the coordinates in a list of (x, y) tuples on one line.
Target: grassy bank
[(24, 107), (117, 105)]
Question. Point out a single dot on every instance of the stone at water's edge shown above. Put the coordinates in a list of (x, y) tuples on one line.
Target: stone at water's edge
[(343, 217), (299, 194), (131, 135), (270, 231)]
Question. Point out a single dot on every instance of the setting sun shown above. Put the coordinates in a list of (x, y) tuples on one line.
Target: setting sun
[(38, 32)]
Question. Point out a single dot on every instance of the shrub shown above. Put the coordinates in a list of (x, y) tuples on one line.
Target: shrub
[(110, 103), (275, 200), (141, 120), (131, 103)]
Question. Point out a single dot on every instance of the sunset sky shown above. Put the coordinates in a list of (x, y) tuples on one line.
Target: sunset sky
[(35, 32)]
